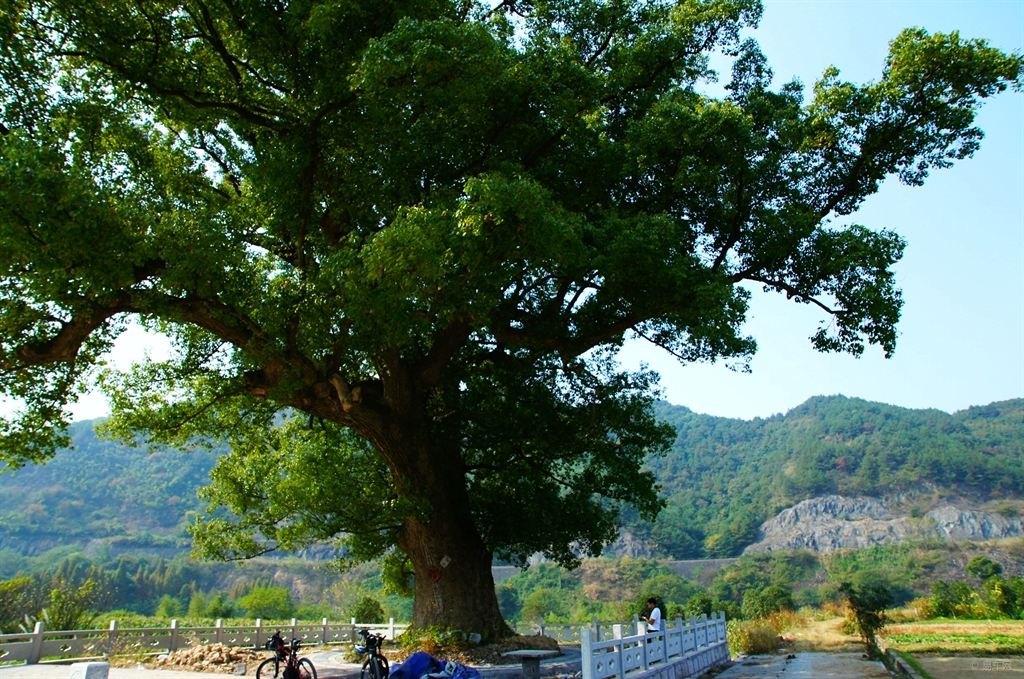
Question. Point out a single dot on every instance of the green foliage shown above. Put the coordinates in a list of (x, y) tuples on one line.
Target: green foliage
[(983, 568), (368, 610), (317, 612), (549, 604), (867, 606), (759, 571), (219, 607), (667, 588), (998, 598), (197, 605), (697, 605), (269, 603), (169, 607), (758, 605), (18, 597)]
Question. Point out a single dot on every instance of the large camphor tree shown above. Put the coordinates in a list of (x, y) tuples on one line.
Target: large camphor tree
[(397, 245)]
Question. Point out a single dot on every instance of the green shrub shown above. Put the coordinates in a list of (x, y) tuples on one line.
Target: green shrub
[(758, 605), (983, 568), (368, 610), (751, 637)]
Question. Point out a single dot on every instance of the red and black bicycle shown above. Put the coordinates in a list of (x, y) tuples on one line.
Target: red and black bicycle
[(286, 663)]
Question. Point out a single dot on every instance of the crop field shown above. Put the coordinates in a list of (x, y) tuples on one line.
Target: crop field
[(976, 637)]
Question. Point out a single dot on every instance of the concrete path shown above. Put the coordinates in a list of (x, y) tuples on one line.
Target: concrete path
[(329, 665), (960, 667), (332, 665), (807, 666)]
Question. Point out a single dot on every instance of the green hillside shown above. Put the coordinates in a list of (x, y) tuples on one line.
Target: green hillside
[(100, 490), (724, 477)]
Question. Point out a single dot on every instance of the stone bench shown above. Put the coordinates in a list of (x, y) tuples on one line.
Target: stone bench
[(531, 660)]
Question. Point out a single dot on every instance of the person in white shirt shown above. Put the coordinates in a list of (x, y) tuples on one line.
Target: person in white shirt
[(653, 618)]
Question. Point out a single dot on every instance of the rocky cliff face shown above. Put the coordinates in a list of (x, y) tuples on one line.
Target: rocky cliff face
[(825, 524)]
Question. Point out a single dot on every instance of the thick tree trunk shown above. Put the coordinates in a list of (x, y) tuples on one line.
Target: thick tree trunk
[(454, 586)]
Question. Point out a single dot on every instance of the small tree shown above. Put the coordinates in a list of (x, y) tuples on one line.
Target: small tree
[(168, 607), (197, 605), (867, 610), (368, 610), (220, 608)]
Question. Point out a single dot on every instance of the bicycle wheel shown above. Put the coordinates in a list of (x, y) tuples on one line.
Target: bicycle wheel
[(372, 669), (268, 669), (306, 669)]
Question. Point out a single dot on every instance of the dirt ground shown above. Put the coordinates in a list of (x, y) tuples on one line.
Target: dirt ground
[(822, 636)]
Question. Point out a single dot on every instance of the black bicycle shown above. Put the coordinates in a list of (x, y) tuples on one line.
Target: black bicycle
[(286, 663), (376, 665)]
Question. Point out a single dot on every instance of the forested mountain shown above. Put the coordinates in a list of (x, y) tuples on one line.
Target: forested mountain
[(102, 491), (722, 479)]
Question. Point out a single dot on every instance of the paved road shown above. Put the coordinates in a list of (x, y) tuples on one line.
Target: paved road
[(329, 665), (807, 666)]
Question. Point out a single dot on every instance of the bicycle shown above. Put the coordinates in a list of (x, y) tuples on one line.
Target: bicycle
[(376, 665), (286, 663)]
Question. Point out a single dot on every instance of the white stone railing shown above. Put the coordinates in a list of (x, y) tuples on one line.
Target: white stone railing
[(697, 645), (31, 647), (569, 632)]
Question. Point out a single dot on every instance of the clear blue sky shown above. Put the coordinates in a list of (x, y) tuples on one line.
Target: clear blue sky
[(962, 334)]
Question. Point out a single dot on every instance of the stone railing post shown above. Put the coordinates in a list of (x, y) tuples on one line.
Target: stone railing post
[(636, 624), (295, 629), (540, 623), (172, 641), (219, 631), (37, 643), (586, 654), (619, 651), (391, 629), (323, 635), (641, 631), (111, 638), (352, 634), (259, 634)]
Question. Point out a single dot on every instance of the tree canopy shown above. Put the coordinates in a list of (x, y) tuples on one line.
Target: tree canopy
[(427, 226)]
